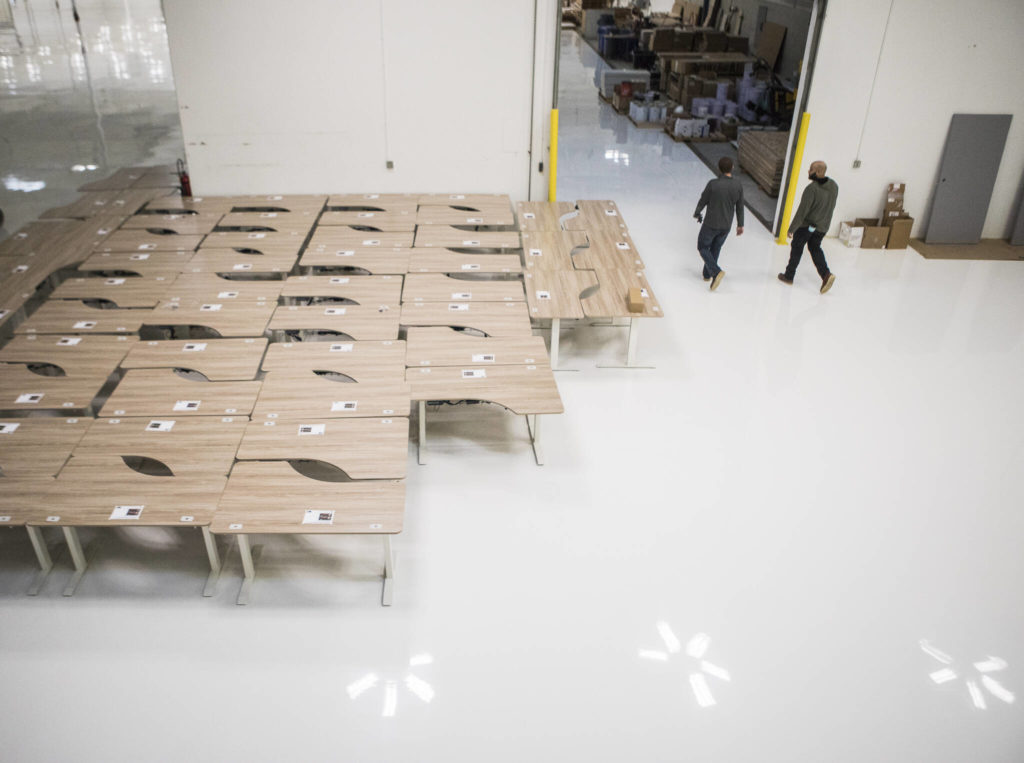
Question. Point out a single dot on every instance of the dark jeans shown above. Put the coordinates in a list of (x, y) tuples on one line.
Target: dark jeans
[(709, 244), (801, 237)]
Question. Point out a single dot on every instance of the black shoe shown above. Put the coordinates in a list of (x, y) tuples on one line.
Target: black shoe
[(706, 278), (782, 277)]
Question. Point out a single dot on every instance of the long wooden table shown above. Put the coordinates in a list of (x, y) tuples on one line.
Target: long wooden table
[(449, 237), (216, 359), (301, 395), (361, 322), (362, 290), (226, 316), (38, 447), (361, 361), (393, 261), (490, 318), (75, 317), (163, 393), (438, 287), (445, 261)]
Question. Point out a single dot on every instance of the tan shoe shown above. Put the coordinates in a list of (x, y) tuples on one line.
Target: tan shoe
[(717, 279), (827, 283)]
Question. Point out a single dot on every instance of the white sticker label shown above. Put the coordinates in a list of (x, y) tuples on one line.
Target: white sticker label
[(227, 294), (344, 253), (372, 242), (475, 220), (471, 266), (68, 341), (160, 426), (611, 213), (483, 358), (138, 257), (242, 266), (188, 518), (127, 512), (305, 429), (536, 253), (53, 519), (4, 313), (339, 280), (235, 526), (19, 269), (209, 308), (147, 247), (471, 242), (268, 215), (543, 295), (371, 195), (194, 347), (341, 348), (622, 245), (32, 397), (257, 235), (455, 308), (462, 295), (334, 311), (5, 519), (21, 235), (187, 405), (474, 373), (365, 214), (529, 215), (114, 281), (316, 517), (643, 293), (9, 428), (344, 405), (457, 196)]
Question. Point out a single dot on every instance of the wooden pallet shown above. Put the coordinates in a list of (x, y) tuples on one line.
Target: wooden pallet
[(763, 155), (646, 125)]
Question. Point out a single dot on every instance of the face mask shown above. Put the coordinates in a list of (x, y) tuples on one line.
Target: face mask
[(811, 175)]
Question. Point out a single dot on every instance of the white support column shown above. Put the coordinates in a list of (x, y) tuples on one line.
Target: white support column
[(35, 534), (248, 567), (77, 556), (421, 442), (215, 567), (389, 573)]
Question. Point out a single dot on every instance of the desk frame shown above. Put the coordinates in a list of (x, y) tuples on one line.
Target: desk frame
[(533, 428)]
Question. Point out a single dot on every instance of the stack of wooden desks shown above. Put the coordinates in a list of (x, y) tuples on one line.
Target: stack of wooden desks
[(247, 365)]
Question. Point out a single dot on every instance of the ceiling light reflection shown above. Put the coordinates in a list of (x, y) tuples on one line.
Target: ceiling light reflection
[(356, 688), (421, 659), (698, 645), (671, 642), (653, 654), (997, 690), (976, 696), (988, 665), (701, 690), (11, 183), (419, 687), (696, 648), (390, 700), (943, 676)]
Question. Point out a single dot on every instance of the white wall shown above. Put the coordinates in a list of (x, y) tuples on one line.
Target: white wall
[(940, 57), (316, 96)]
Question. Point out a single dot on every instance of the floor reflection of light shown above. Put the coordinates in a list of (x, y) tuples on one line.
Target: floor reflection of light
[(419, 687), (984, 667), (390, 700), (415, 685), (356, 688), (12, 183), (696, 648), (420, 659)]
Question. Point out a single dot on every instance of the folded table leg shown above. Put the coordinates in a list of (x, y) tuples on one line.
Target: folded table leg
[(421, 443), (248, 566), (211, 550), (35, 534), (77, 556), (389, 573)]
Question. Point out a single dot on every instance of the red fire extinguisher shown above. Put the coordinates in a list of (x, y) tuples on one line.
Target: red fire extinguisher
[(183, 179)]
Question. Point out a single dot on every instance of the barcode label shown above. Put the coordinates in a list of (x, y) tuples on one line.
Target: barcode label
[(611, 213), (474, 373), (455, 308), (471, 266), (543, 295), (147, 247), (462, 295), (68, 341), (29, 398), (227, 294), (194, 347), (160, 426), (257, 235), (344, 405), (365, 214), (209, 308), (9, 428), (529, 215), (317, 517), (483, 358), (339, 280), (372, 242), (242, 266), (341, 348), (305, 429), (622, 245), (536, 253), (138, 257), (344, 253), (334, 311), (268, 215), (187, 405), (471, 242), (127, 512), (84, 325), (113, 282), (475, 220)]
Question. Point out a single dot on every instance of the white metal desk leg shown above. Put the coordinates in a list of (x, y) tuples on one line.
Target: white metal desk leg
[(248, 567), (634, 331), (556, 331), (421, 442), (211, 551), (77, 556), (534, 430), (35, 534), (389, 573)]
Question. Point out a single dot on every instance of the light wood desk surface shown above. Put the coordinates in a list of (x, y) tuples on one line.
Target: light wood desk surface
[(95, 356), (524, 390), (124, 202), (161, 393), (216, 359), (551, 250), (37, 447), (397, 221), (608, 250), (175, 205), (365, 449), (339, 237), (19, 279), (281, 222), (68, 317), (228, 317), (288, 396), (182, 224), (197, 446), (19, 497), (491, 318), (61, 242), (393, 261), (21, 390), (234, 263), (438, 287), (448, 237), (294, 203), (610, 299), (255, 242), (542, 215), (141, 240), (271, 497), (597, 215), (384, 202), (210, 287), (361, 322), (145, 264), (363, 361), (371, 291), (444, 261), (86, 497), (123, 291), (475, 201), (556, 293), (446, 347), (451, 215)]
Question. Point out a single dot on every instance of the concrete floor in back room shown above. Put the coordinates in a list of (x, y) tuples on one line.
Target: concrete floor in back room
[(796, 539)]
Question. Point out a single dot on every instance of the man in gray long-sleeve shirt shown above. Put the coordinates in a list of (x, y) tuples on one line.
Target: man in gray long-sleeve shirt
[(810, 223), (721, 196)]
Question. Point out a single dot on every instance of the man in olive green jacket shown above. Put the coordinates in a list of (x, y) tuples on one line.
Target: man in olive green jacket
[(810, 223)]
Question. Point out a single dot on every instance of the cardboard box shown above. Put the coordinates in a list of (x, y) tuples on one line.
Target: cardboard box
[(635, 300), (875, 235), (709, 87), (899, 232), (851, 234), (585, 4), (894, 197), (712, 41), (621, 102), (737, 44)]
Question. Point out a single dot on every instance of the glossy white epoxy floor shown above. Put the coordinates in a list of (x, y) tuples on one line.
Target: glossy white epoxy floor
[(797, 539)]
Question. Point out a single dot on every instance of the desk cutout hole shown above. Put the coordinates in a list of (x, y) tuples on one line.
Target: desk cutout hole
[(46, 369), (147, 466), (335, 376), (191, 374), (319, 470)]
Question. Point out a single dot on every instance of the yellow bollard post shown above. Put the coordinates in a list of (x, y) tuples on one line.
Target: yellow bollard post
[(553, 158), (794, 178)]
